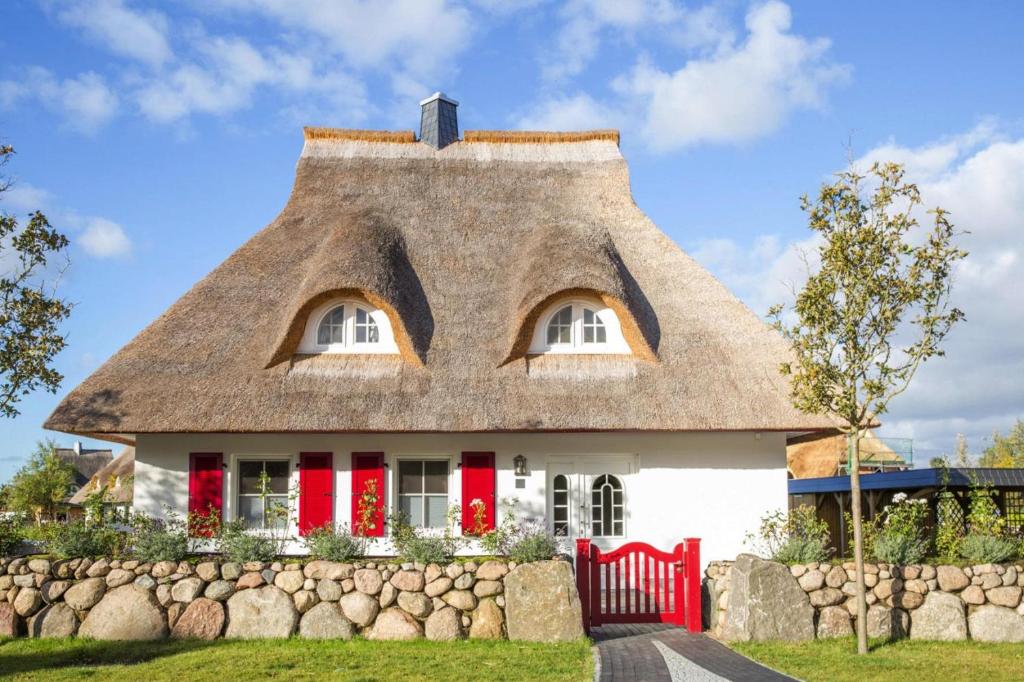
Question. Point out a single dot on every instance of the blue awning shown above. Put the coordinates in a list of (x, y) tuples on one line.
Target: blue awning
[(911, 479)]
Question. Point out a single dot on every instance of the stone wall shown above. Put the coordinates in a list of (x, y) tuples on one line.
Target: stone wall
[(130, 600), (756, 599)]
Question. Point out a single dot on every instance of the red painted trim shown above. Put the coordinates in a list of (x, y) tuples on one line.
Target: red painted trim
[(366, 467), (693, 606), (205, 488), (316, 490), (583, 579), (478, 482)]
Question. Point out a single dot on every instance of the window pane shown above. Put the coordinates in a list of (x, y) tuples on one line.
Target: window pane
[(588, 316), (250, 511), (360, 316), (588, 334), (561, 497), (602, 337), (374, 334), (360, 334), (277, 512), (560, 325), (249, 475), (410, 477), (437, 510), (332, 327), (618, 528), (278, 473), (412, 507), (436, 477)]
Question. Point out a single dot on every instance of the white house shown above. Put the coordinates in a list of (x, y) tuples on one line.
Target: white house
[(452, 319)]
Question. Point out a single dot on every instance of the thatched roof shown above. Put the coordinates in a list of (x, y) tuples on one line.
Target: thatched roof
[(815, 455), (118, 476), (462, 247), (86, 463)]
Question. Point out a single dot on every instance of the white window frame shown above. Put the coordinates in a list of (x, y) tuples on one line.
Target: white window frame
[(624, 506), (234, 471), (309, 344), (614, 344), (454, 489)]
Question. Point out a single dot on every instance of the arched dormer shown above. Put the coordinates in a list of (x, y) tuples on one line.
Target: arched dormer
[(579, 326), (347, 325)]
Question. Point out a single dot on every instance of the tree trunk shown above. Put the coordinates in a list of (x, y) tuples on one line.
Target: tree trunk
[(853, 444)]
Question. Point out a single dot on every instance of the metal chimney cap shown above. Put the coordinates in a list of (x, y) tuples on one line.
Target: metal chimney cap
[(439, 95)]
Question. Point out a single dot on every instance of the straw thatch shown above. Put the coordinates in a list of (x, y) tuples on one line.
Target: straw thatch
[(462, 247), (118, 477), (815, 455)]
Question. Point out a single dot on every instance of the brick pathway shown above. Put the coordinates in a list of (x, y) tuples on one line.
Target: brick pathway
[(629, 652)]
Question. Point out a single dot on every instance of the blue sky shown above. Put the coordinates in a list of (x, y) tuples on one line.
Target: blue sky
[(160, 136)]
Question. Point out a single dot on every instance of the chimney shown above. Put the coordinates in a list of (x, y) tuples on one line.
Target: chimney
[(439, 125), (77, 447)]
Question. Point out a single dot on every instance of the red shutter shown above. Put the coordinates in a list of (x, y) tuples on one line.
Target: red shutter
[(477, 484), (367, 476), (316, 490), (205, 489)]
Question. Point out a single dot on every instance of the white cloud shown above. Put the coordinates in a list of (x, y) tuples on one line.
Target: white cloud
[(105, 239), (571, 112), (979, 177), (85, 101), (739, 92), (139, 35)]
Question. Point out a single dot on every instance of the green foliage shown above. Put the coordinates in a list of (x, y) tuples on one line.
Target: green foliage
[(30, 313), (797, 537), (902, 536), (984, 517), (237, 543), (11, 533), (983, 549), (335, 544), (900, 549), (83, 539), (42, 484), (949, 529), (1006, 451), (156, 540), (533, 543), (424, 545)]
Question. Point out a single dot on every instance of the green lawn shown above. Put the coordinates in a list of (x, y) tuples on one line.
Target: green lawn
[(222, 660), (837, 660)]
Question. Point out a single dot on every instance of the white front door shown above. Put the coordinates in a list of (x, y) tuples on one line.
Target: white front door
[(587, 497)]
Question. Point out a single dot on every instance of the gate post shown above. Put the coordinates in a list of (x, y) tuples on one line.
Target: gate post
[(693, 604), (595, 585), (583, 579)]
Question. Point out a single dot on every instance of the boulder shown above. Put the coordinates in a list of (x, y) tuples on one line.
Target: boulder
[(836, 577), (487, 621), (438, 587), (408, 581), (304, 600), (487, 588), (394, 624), (541, 602), (827, 596), (941, 618), (765, 603), (203, 618), (10, 621), (261, 613), (1004, 596), (28, 601), (327, 570), (906, 600), (887, 622), (360, 608), (951, 578), (492, 570), (86, 594), (326, 620), (834, 621), (812, 580), (328, 590), (290, 581), (464, 600), (186, 590), (368, 580), (219, 590), (128, 612), (56, 620), (443, 625), (415, 603), (991, 623)]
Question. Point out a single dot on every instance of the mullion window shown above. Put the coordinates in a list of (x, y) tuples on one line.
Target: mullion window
[(423, 492), (260, 507)]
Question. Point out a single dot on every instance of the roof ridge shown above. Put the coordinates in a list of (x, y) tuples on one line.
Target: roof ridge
[(399, 136), (470, 136)]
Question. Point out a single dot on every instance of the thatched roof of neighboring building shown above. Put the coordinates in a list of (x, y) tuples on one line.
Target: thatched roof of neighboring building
[(462, 247), (118, 476), (815, 455), (85, 462)]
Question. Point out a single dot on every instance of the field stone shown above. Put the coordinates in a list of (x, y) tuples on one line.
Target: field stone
[(388, 594), (443, 625), (928, 572), (812, 580), (826, 596), (464, 600), (438, 603), (28, 601), (25, 580), (328, 590), (888, 623), (415, 603), (145, 582), (56, 620), (269, 575), (186, 589), (464, 581), (360, 608), (492, 570), (940, 618), (208, 571), (408, 581), (261, 613), (39, 566), (905, 600), (368, 580), (991, 580), (487, 588), (834, 621), (6, 582), (325, 620), (886, 588), (305, 600), (249, 580), (86, 594), (231, 571), (453, 571), (1010, 577), (836, 577), (973, 595), (951, 578), (487, 621), (173, 612), (98, 568), (118, 577), (329, 570), (347, 585), (394, 624), (290, 581), (162, 569), (1004, 596), (432, 572), (125, 613), (991, 623), (202, 619), (765, 602), (219, 590), (54, 590), (542, 604), (438, 587), (916, 585)]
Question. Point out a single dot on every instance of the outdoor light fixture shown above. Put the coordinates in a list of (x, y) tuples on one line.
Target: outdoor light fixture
[(520, 465)]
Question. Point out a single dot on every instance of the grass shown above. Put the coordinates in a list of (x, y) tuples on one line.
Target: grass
[(65, 659), (837, 660)]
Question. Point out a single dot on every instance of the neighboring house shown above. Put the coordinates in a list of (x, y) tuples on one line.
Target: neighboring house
[(116, 482), (86, 462), (451, 320), (814, 455)]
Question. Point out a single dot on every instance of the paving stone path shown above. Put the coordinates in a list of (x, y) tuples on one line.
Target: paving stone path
[(660, 653)]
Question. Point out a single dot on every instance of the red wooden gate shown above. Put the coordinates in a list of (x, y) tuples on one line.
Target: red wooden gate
[(637, 583)]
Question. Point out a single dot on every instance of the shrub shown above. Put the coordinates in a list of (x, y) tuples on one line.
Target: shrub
[(534, 543), (239, 545), (11, 533), (899, 533), (949, 528), (333, 544), (156, 540), (797, 537), (82, 539), (421, 545), (984, 549), (894, 548)]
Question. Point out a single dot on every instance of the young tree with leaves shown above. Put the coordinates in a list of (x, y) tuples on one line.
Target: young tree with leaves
[(1006, 451), (30, 312), (42, 484), (877, 306)]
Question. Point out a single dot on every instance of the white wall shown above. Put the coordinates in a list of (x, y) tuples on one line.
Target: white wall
[(714, 486)]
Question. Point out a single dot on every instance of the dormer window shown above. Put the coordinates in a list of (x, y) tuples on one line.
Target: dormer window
[(579, 327), (348, 327)]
